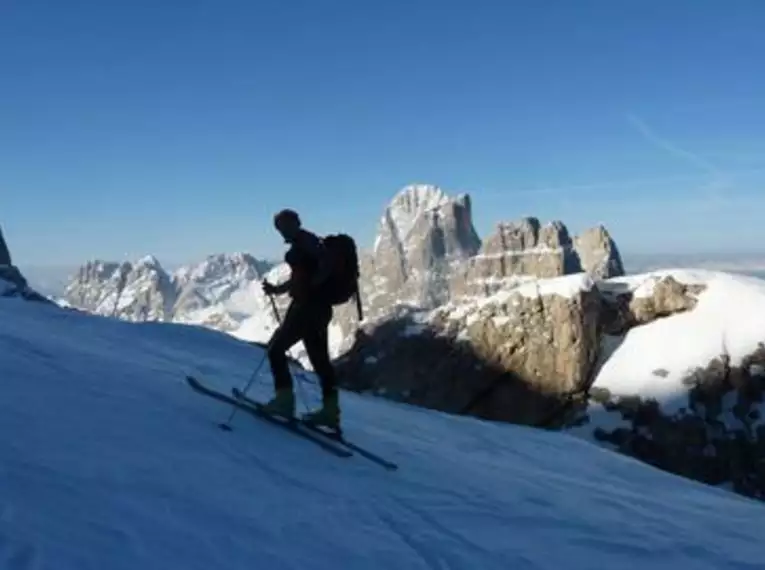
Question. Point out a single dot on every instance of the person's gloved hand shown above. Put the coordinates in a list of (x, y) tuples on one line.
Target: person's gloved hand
[(268, 289)]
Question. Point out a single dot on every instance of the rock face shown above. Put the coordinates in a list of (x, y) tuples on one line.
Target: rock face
[(12, 282), (519, 355), (525, 249), (507, 357), (518, 251), (598, 254), (5, 255), (97, 285), (428, 253), (421, 234)]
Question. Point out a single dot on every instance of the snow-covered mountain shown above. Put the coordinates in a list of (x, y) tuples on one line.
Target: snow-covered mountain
[(223, 292), (119, 465), (146, 291)]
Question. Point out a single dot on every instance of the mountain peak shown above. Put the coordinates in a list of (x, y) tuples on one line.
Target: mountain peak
[(406, 208), (149, 261)]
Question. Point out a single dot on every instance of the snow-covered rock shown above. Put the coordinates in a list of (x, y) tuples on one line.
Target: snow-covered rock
[(684, 390)]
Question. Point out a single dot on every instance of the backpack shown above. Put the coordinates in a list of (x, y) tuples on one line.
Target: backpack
[(343, 283)]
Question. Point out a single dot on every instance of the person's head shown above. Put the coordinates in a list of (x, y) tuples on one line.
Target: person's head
[(287, 223)]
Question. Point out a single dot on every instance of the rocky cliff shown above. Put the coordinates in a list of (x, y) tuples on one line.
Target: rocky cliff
[(510, 356), (12, 282)]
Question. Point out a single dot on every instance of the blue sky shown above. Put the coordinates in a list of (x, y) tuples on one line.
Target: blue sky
[(178, 127)]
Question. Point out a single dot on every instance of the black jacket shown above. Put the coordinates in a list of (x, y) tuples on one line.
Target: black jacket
[(309, 266)]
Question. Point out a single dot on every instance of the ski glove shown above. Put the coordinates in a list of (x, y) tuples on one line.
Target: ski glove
[(268, 289)]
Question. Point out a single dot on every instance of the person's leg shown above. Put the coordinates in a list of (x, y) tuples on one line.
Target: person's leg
[(285, 337), (316, 341)]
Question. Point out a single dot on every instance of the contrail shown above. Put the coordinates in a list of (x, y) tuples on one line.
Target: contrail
[(670, 147), (611, 184)]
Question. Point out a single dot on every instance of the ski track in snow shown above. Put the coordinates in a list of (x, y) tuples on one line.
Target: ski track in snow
[(108, 460)]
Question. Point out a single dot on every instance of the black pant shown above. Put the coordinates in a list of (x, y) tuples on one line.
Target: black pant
[(308, 322)]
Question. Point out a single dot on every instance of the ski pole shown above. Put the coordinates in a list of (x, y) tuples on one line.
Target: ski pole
[(227, 424), (234, 409), (275, 310)]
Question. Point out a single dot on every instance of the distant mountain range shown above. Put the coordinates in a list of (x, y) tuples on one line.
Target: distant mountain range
[(427, 253), (52, 280)]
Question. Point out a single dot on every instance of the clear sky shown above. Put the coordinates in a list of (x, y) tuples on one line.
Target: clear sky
[(178, 127)]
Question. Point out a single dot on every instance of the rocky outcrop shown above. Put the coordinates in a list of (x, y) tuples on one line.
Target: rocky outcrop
[(624, 309), (428, 253), (717, 438), (517, 251), (525, 354), (421, 234), (12, 282), (5, 254), (598, 254), (509, 357), (525, 249)]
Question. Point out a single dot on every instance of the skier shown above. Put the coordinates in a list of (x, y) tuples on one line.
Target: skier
[(307, 319)]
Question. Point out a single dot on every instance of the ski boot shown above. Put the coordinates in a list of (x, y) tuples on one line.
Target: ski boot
[(327, 417), (283, 404)]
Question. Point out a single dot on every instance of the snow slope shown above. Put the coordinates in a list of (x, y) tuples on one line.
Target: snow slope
[(109, 461)]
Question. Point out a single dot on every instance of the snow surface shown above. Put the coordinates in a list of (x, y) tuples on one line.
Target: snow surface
[(652, 360), (109, 461), (6, 287)]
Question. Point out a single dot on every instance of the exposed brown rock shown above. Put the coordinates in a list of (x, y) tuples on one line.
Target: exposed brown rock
[(669, 297), (598, 254), (511, 359)]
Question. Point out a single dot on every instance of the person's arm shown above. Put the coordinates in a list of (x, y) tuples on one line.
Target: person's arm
[(282, 288)]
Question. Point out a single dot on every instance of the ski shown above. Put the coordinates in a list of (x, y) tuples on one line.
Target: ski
[(340, 439), (335, 437), (256, 411)]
